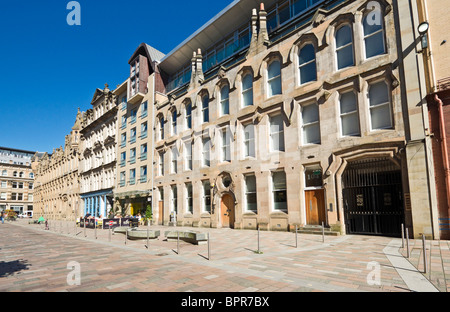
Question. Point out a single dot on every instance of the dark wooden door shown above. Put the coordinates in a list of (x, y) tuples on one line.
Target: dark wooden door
[(315, 207), (227, 211)]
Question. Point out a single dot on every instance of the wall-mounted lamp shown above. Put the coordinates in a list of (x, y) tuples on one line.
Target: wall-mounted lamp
[(423, 30)]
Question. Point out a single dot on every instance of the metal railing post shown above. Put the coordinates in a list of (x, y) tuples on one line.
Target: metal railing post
[(209, 249), (323, 233), (407, 244), (425, 262), (403, 235)]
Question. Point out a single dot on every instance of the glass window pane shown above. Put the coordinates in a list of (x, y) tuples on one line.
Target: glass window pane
[(284, 12), (378, 94), (312, 134), (374, 45), (274, 69), (348, 102), (279, 180), (308, 73), (247, 82), (307, 53), (299, 6), (310, 113), (350, 124), (343, 36), (345, 57), (370, 26), (275, 87), (250, 184), (380, 117)]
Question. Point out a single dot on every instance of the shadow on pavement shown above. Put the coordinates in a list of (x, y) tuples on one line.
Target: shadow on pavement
[(9, 268)]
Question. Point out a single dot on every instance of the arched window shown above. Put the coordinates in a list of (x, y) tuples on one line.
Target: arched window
[(274, 78), (174, 122), (247, 90), (189, 116), (344, 47), (161, 128), (205, 108), (307, 64), (373, 37), (224, 100)]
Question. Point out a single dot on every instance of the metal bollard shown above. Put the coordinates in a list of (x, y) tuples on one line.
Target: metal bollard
[(407, 244), (148, 234), (95, 227), (323, 233), (209, 249), (403, 235), (425, 262), (126, 236), (259, 245), (296, 238), (178, 243)]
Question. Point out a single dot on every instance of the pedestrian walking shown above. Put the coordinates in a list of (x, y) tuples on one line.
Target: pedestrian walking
[(3, 218)]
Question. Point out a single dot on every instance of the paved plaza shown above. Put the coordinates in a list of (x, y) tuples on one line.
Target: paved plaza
[(33, 259)]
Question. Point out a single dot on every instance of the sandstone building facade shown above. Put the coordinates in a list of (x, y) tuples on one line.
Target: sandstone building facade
[(56, 189), (16, 181), (97, 171), (296, 115)]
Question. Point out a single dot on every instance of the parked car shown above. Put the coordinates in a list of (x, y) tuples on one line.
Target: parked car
[(23, 216)]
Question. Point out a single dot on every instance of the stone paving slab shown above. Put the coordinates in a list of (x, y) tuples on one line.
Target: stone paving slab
[(33, 259)]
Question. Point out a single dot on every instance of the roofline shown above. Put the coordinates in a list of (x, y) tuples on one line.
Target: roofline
[(18, 150), (220, 14)]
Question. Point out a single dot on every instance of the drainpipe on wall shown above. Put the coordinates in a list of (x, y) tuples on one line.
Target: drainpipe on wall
[(444, 149)]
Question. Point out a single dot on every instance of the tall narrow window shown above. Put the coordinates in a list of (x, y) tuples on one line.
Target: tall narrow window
[(206, 154), (188, 153), (224, 100), (307, 64), (279, 192), (380, 106), (226, 145), (250, 193), (247, 90), (161, 128), (344, 47), (143, 174), (205, 108), (174, 160), (274, 78), (174, 199), (161, 163), (311, 126), (373, 38), (174, 122), (122, 178), (132, 176), (277, 133), (249, 140), (206, 196), (189, 198), (349, 114), (189, 116)]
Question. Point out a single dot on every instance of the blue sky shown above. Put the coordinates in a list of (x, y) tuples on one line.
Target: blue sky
[(49, 69)]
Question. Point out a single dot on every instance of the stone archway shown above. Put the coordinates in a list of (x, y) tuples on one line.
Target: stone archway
[(225, 200)]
